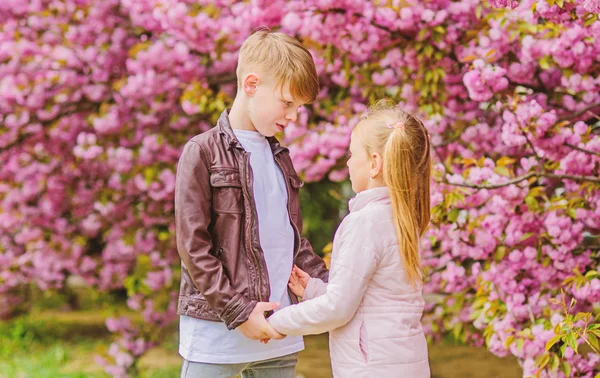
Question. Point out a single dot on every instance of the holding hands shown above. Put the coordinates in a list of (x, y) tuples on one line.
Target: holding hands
[(297, 283), (257, 327)]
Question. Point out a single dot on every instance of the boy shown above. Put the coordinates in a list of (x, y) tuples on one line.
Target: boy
[(238, 221)]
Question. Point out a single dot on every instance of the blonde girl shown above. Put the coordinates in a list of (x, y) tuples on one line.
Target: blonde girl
[(373, 303)]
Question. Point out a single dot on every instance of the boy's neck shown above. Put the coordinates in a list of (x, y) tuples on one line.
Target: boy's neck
[(238, 116)]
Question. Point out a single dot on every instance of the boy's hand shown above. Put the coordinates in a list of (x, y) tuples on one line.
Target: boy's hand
[(298, 281), (257, 327), (265, 341)]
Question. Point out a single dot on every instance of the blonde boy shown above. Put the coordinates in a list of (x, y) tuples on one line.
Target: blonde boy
[(238, 221)]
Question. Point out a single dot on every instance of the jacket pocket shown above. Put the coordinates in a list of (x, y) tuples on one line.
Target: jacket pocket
[(362, 342), (294, 195), (227, 191)]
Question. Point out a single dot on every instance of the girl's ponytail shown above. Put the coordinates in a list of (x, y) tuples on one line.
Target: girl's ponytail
[(403, 142)]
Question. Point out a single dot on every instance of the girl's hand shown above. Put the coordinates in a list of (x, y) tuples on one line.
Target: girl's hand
[(298, 281)]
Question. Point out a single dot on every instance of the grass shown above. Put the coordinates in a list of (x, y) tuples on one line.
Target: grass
[(49, 343)]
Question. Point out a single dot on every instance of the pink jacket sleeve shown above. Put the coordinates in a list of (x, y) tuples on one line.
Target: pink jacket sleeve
[(314, 288), (352, 267)]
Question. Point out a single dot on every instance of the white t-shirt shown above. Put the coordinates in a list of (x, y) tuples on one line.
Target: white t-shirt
[(211, 342)]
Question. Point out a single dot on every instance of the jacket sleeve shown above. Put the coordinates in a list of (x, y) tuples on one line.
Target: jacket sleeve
[(354, 265), (193, 207), (314, 288), (310, 262)]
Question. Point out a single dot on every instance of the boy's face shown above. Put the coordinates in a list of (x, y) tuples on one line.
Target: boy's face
[(270, 108)]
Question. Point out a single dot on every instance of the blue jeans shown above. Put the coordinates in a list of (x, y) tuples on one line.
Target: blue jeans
[(280, 367)]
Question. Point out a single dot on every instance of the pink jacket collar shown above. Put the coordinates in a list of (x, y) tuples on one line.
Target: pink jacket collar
[(362, 199)]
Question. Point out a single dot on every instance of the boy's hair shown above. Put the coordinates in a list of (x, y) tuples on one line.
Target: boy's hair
[(283, 57), (403, 142)]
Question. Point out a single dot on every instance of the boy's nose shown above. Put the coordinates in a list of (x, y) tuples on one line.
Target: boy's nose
[(292, 116)]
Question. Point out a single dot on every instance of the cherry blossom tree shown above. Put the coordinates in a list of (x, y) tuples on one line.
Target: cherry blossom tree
[(97, 99)]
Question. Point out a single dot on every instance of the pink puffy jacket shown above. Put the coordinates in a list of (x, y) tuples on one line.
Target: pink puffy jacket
[(371, 311)]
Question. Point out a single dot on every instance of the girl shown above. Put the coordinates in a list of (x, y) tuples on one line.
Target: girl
[(373, 302)]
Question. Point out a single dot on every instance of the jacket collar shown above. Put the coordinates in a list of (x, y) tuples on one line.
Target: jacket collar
[(374, 195), (233, 142)]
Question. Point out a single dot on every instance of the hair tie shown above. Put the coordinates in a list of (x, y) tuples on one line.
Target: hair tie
[(397, 125)]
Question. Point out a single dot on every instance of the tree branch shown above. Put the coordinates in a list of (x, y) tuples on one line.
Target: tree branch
[(580, 113), (81, 107), (528, 86), (396, 33), (582, 149), (519, 179), (439, 156), (493, 186), (572, 177), (537, 156)]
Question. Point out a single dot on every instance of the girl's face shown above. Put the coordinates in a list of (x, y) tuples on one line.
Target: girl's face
[(359, 163)]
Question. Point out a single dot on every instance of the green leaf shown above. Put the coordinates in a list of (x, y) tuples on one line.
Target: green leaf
[(504, 160), (546, 261), (572, 341), (550, 343), (456, 332), (503, 171), (593, 340), (544, 361), (164, 235), (453, 215), (500, 253), (428, 76), (566, 369), (545, 62), (532, 203), (520, 344), (590, 20), (554, 362), (563, 348), (526, 236), (573, 302), (428, 51)]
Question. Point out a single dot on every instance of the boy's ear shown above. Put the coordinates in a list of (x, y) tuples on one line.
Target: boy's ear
[(250, 83)]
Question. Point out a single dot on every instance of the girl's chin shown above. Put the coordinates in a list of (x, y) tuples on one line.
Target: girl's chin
[(355, 188)]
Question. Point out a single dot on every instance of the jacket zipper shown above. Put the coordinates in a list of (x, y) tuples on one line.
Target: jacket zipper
[(251, 226)]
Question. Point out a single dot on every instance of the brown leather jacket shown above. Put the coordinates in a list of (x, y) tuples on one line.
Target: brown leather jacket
[(223, 271)]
